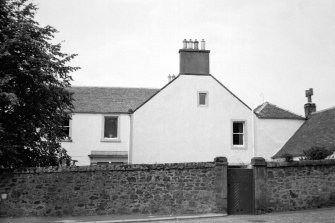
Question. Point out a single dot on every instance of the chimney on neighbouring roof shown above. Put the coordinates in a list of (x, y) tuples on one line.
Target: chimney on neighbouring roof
[(192, 59), (171, 77), (309, 106)]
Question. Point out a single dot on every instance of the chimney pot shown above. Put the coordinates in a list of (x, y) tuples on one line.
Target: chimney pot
[(203, 44), (184, 44), (190, 44), (196, 44), (169, 77)]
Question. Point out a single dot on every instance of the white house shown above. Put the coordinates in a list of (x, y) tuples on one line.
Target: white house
[(99, 130), (193, 118), (273, 127)]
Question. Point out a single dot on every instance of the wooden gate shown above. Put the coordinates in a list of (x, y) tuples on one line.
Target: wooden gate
[(240, 191)]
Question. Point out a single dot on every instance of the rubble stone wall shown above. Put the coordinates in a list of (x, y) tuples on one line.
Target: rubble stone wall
[(299, 185), (180, 188)]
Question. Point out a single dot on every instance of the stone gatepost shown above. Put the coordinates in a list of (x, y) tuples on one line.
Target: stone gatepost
[(260, 184), (221, 184)]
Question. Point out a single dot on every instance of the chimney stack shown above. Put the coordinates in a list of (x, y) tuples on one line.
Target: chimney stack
[(309, 106), (192, 59)]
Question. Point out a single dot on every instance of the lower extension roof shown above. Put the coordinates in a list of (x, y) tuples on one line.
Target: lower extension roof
[(318, 130), (109, 99)]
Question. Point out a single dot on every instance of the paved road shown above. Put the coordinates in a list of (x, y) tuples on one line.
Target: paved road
[(325, 215)]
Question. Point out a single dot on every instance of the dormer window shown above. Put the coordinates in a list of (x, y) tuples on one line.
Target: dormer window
[(202, 99)]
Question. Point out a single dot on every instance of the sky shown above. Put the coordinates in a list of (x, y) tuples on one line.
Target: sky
[(262, 50)]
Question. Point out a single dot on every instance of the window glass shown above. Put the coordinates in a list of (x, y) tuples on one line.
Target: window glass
[(110, 129), (238, 133), (66, 127), (202, 98), (237, 127), (238, 139)]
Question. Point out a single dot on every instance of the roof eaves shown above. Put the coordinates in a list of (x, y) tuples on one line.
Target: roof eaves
[(94, 112)]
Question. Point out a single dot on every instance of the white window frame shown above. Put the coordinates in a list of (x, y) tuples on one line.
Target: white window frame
[(69, 138), (245, 135), (206, 99), (117, 139)]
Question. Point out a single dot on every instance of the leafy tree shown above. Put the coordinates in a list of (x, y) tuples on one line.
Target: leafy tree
[(288, 157), (34, 100), (317, 153)]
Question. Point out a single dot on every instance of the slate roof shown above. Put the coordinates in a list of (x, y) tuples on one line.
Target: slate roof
[(318, 130), (109, 99), (270, 111)]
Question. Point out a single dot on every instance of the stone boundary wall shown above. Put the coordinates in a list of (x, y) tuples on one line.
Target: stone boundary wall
[(180, 188), (284, 186)]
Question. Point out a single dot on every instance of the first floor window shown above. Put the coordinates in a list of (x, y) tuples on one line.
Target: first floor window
[(238, 133), (66, 128), (111, 127)]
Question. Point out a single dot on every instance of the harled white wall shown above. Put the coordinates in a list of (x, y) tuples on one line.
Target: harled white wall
[(272, 134), (172, 128), (86, 134)]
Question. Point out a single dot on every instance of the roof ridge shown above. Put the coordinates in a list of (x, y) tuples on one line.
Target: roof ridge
[(287, 110), (114, 87), (323, 110), (262, 106)]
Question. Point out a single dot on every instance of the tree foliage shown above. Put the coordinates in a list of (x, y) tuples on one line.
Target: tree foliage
[(317, 153), (287, 157), (34, 100)]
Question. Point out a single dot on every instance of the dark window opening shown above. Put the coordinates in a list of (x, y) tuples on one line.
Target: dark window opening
[(238, 133), (110, 128), (66, 128), (202, 98)]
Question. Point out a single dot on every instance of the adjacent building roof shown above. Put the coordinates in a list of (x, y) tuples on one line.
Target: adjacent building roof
[(109, 99), (270, 111), (318, 130)]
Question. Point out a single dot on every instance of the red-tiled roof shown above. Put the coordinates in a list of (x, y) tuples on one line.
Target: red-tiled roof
[(318, 130), (109, 99), (270, 111)]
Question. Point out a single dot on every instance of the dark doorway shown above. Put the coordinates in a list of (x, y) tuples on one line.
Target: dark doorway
[(240, 191)]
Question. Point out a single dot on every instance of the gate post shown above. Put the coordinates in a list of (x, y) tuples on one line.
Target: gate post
[(221, 184), (260, 184)]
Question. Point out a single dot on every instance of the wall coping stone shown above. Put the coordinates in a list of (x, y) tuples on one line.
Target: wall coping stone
[(221, 161), (258, 161), (122, 167), (301, 163)]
